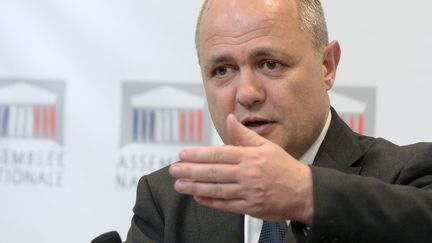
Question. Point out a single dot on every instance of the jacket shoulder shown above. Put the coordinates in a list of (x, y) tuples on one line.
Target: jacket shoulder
[(396, 164)]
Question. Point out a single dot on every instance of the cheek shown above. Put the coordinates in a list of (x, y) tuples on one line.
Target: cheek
[(297, 100), (306, 87), (287, 95), (220, 99), (220, 104)]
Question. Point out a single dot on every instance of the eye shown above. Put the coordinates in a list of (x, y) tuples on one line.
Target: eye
[(222, 71), (271, 65)]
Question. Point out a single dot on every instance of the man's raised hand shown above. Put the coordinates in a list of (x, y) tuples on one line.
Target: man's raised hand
[(254, 176)]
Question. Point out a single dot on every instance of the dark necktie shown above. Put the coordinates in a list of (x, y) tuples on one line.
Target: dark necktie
[(273, 232)]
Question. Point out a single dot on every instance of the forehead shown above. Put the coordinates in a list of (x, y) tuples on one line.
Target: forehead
[(227, 7), (237, 21)]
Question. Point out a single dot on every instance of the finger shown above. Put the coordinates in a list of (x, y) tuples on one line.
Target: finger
[(208, 190), (242, 135), (204, 172), (215, 154), (238, 206)]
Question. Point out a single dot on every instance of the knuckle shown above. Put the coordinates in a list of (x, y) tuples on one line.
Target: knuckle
[(252, 173), (213, 174), (215, 154), (191, 173), (256, 210), (190, 187), (218, 191), (185, 171)]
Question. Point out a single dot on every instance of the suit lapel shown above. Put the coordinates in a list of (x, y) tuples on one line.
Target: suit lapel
[(341, 148), (289, 237), (326, 160)]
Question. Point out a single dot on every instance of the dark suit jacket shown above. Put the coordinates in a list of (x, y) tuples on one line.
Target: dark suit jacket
[(365, 190)]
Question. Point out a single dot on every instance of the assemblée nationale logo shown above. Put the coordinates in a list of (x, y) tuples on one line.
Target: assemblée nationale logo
[(158, 120), (31, 132), (165, 115), (356, 106)]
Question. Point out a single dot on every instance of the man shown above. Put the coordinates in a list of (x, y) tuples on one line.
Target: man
[(266, 67)]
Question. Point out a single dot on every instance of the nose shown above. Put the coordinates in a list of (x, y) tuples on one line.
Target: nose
[(250, 90)]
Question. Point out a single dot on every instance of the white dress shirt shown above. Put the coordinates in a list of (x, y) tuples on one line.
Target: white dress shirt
[(252, 226)]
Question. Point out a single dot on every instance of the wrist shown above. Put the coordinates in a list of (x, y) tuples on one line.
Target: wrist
[(306, 216)]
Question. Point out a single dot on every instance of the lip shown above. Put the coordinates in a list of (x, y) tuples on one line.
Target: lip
[(265, 128)]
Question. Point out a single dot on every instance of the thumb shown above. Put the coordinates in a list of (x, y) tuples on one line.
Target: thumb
[(242, 135)]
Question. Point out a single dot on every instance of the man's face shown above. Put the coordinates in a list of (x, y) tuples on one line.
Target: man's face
[(258, 64)]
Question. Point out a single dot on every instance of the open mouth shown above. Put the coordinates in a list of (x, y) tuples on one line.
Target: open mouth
[(255, 123), (260, 125)]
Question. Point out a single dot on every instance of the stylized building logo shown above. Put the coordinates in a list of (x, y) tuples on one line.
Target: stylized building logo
[(164, 114), (356, 106), (29, 111), (31, 133)]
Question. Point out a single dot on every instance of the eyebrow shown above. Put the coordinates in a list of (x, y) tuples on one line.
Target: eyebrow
[(216, 60), (265, 53), (259, 53), (269, 52)]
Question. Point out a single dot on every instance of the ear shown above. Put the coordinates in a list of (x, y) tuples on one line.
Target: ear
[(332, 53)]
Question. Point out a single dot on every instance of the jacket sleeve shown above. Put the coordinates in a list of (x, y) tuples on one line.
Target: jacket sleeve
[(353, 208), (147, 223)]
